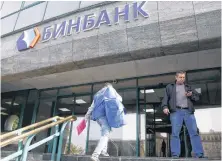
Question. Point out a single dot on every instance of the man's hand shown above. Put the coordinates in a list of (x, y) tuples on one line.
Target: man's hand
[(188, 94), (166, 111)]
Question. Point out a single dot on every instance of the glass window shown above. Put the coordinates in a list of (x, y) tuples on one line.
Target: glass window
[(31, 16), (58, 8), (10, 7), (66, 91), (49, 93), (78, 142), (89, 3), (118, 85), (97, 87), (208, 84), (9, 119), (11, 108), (152, 81), (76, 90), (126, 143), (125, 84), (203, 75), (1, 5), (7, 110), (44, 112), (27, 3), (32, 95), (82, 104), (129, 100), (8, 24)]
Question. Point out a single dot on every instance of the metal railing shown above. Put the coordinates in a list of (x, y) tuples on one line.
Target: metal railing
[(133, 148), (116, 146), (30, 132)]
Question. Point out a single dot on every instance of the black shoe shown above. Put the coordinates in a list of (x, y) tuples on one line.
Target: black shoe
[(202, 157)]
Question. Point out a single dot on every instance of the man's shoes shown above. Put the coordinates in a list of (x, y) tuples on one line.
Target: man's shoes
[(202, 157), (94, 158), (105, 154), (175, 157)]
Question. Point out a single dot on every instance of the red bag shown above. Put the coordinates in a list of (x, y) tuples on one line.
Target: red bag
[(81, 126)]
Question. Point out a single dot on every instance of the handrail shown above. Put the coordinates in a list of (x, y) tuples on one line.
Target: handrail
[(116, 146), (58, 134), (134, 149), (19, 131), (17, 138)]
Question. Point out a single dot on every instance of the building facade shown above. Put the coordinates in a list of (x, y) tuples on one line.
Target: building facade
[(56, 55)]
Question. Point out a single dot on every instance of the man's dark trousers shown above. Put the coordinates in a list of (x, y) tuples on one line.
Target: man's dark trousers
[(177, 119)]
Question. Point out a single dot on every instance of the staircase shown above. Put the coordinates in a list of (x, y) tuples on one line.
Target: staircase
[(87, 158), (46, 157), (29, 132)]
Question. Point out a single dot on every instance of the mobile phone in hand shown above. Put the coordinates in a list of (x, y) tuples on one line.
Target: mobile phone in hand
[(189, 91)]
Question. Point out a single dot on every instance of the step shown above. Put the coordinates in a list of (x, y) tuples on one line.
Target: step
[(30, 157), (47, 157), (87, 158)]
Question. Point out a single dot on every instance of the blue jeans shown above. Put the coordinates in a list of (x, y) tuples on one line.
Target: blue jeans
[(177, 119)]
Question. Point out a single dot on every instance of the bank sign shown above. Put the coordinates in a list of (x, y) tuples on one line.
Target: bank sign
[(89, 22)]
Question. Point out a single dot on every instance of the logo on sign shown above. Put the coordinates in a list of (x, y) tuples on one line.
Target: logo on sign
[(84, 23), (28, 39)]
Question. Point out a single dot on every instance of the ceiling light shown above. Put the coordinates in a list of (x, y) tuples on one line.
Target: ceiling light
[(163, 135), (64, 109), (147, 91), (1, 108), (3, 113), (149, 110), (80, 101), (198, 90), (11, 103), (158, 120)]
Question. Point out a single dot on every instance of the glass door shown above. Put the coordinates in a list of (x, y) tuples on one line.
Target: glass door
[(147, 124), (154, 125)]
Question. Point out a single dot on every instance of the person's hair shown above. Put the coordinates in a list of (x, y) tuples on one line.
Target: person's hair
[(180, 72), (108, 84)]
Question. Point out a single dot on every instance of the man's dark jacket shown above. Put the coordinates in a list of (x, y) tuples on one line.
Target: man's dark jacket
[(169, 100)]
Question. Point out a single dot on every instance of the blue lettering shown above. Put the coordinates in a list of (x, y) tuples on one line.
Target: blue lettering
[(46, 34), (124, 13), (88, 23), (138, 9), (74, 25), (103, 18)]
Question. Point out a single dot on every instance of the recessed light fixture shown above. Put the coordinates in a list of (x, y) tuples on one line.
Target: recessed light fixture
[(163, 135), (80, 101), (3, 113), (64, 109), (1, 108), (158, 120), (9, 103), (147, 91)]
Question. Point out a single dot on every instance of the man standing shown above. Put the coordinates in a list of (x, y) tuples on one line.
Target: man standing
[(178, 103), (99, 111)]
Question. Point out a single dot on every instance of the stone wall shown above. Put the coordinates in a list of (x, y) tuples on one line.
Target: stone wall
[(171, 28), (212, 144)]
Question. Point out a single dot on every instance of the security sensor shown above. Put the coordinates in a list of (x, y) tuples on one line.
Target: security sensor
[(115, 81)]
